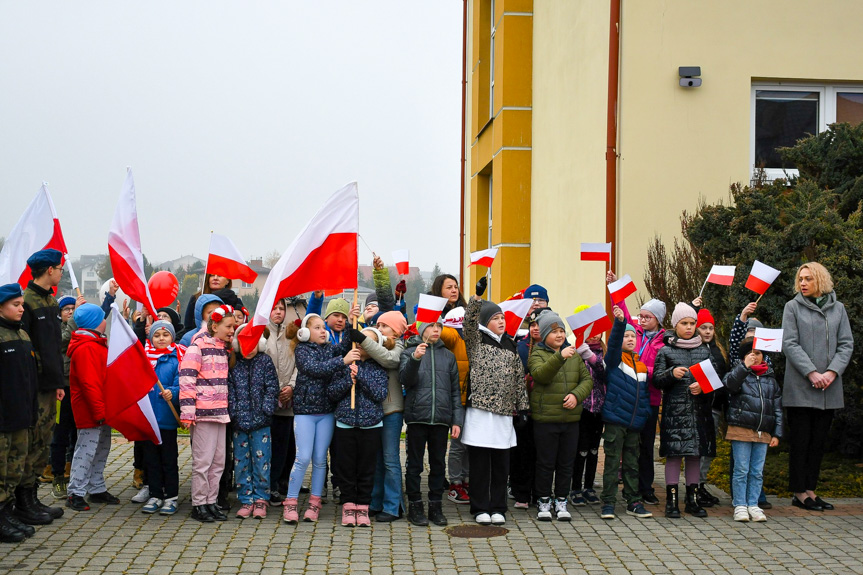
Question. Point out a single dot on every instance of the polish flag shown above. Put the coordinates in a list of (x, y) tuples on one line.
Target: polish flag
[(129, 378), (515, 310), (37, 229), (323, 254), (483, 257), (721, 275), (588, 323), (621, 289), (430, 308), (225, 260), (124, 247), (761, 277), (706, 376), (596, 252), (767, 339), (402, 259)]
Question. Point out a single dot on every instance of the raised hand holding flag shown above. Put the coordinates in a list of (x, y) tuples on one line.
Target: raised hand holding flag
[(621, 289)]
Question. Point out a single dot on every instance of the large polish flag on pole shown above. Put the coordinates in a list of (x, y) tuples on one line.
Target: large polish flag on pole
[(129, 378), (38, 229), (124, 247), (324, 254), (226, 260)]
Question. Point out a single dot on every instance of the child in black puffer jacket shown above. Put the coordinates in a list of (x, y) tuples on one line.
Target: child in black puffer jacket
[(754, 422), (358, 429)]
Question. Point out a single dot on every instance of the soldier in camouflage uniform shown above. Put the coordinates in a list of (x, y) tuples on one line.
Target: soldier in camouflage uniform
[(41, 321), (17, 408)]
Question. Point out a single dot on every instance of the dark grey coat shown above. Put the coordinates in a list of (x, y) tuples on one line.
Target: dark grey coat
[(432, 385), (754, 402), (815, 339), (686, 428)]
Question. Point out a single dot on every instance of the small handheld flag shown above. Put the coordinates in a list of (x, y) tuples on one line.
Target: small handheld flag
[(515, 310), (767, 339), (483, 257), (590, 322), (430, 308), (402, 261), (719, 275), (706, 376), (621, 289), (591, 252), (761, 277), (226, 260)]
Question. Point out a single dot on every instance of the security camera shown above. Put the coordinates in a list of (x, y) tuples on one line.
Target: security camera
[(689, 76), (690, 82)]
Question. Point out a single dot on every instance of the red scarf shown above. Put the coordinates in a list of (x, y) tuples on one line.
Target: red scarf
[(153, 353), (759, 369)]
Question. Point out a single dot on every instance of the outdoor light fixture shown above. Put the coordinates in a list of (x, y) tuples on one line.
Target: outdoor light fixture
[(689, 76)]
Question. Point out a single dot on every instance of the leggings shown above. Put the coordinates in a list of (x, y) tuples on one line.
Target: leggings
[(313, 435), (672, 470)]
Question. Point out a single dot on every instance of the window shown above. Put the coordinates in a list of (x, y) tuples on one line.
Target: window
[(247, 285), (784, 113)]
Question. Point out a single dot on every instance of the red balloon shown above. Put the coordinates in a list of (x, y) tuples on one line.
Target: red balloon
[(163, 288)]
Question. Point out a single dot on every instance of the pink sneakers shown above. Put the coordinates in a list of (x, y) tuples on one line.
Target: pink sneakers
[(349, 519), (291, 513), (311, 514), (245, 511), (362, 513), (260, 510)]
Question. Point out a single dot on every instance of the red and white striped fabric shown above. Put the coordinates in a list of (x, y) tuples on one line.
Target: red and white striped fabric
[(595, 252), (226, 260), (483, 257), (323, 254), (124, 247), (621, 289), (588, 323), (721, 275), (430, 307), (761, 277), (515, 310), (767, 339), (129, 378), (37, 229), (154, 354), (402, 261), (706, 376)]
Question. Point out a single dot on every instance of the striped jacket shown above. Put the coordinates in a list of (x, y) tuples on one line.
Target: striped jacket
[(627, 397), (204, 381)]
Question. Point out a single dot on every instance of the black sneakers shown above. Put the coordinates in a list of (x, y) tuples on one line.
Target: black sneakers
[(104, 497), (77, 503)]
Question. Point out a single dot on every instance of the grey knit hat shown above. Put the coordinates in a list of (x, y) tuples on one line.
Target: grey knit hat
[(547, 322), (488, 310), (657, 308)]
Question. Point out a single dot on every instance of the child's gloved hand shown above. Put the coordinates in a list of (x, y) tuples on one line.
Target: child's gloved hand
[(401, 289), (357, 336), (481, 286), (585, 352), (520, 421)]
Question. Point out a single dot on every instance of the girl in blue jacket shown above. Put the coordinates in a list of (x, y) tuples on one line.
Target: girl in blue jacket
[(160, 461)]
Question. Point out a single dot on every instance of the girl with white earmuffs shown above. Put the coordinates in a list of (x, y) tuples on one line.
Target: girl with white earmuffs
[(253, 395), (319, 363)]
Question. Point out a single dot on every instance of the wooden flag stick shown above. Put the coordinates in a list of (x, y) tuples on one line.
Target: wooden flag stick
[(171, 405), (704, 285), (759, 298), (354, 346)]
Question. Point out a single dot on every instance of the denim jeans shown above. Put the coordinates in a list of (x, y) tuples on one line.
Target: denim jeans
[(748, 475), (252, 461), (313, 434), (387, 492)]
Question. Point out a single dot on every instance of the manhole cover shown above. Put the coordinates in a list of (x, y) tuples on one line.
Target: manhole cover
[(469, 531)]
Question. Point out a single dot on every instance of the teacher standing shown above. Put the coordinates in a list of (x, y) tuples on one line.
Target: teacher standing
[(817, 341)]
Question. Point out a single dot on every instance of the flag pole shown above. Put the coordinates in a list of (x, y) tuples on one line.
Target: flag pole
[(759, 298), (171, 405), (72, 276), (703, 286), (354, 346)]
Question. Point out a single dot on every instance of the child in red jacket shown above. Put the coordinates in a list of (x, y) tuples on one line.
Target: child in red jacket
[(88, 351)]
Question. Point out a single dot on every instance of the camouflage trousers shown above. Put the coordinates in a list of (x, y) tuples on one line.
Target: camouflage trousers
[(13, 454), (40, 437)]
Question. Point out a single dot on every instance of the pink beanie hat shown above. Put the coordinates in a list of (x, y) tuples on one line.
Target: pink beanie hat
[(395, 320), (682, 310)]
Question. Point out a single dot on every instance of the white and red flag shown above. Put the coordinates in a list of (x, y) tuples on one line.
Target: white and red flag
[(129, 378), (430, 308), (596, 252), (402, 261), (761, 277), (323, 254), (721, 275), (621, 289), (706, 376), (37, 229), (124, 247), (515, 310), (226, 260), (588, 323), (767, 339), (483, 257)]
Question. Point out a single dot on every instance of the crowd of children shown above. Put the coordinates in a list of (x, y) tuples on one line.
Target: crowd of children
[(521, 419)]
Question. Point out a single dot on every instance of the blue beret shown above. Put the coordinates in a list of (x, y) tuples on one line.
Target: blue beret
[(45, 258), (66, 300), (89, 316), (10, 291), (536, 291)]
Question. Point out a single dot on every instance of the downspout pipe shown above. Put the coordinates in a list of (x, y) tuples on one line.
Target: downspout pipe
[(463, 144), (611, 131)]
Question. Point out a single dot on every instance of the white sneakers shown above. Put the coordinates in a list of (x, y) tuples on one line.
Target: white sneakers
[(142, 496), (483, 519), (544, 509), (756, 514), (497, 519), (560, 510), (741, 513)]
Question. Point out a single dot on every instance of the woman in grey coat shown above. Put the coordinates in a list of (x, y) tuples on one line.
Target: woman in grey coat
[(817, 342)]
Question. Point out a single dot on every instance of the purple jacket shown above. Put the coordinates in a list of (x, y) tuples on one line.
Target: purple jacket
[(646, 350), (594, 402)]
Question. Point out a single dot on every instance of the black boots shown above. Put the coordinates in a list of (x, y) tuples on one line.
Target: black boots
[(705, 498), (436, 513), (216, 513), (202, 513), (672, 510), (416, 513), (33, 495), (693, 506), (9, 532), (26, 508)]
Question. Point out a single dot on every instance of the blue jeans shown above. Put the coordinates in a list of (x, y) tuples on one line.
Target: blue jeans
[(252, 460), (387, 492), (748, 475), (313, 434)]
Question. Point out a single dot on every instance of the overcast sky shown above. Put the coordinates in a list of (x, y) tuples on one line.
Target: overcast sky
[(240, 117)]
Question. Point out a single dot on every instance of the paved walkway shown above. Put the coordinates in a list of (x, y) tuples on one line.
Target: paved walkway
[(120, 539)]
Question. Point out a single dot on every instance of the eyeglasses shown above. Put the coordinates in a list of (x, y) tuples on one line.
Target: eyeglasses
[(645, 317)]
